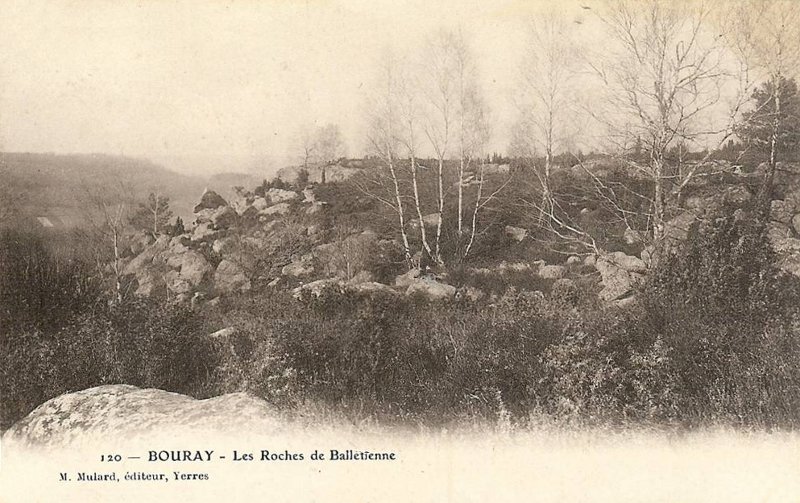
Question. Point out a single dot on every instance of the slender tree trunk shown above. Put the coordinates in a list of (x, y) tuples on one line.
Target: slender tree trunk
[(475, 212), (117, 272), (461, 193), (658, 202), (441, 211), (400, 210), (766, 188), (421, 221)]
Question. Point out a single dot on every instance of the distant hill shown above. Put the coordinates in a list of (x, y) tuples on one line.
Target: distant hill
[(51, 185)]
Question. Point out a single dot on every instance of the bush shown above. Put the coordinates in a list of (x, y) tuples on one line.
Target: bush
[(140, 343)]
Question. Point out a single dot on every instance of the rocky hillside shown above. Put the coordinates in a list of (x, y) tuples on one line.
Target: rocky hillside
[(283, 239)]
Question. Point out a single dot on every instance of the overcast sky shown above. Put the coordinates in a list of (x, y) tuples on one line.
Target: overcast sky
[(165, 78)]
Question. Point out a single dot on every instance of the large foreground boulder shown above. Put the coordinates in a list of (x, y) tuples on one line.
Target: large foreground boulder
[(123, 411)]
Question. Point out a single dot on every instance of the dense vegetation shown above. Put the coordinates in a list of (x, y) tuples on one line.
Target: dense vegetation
[(714, 338)]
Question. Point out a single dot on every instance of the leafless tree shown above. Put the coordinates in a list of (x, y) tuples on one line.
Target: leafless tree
[(383, 141), (546, 94), (765, 35), (664, 81), (305, 145), (107, 210)]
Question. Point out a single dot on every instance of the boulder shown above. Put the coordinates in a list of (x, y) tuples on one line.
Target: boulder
[(574, 260), (314, 208), (309, 196), (552, 271), (590, 260), (515, 233), (618, 282), (780, 211), (241, 203), (406, 279), (628, 262), (315, 288), (471, 294), (276, 209), (223, 333), (280, 195), (223, 246), (176, 284), (211, 201), (736, 195), (796, 223), (230, 277), (260, 204), (361, 277), (632, 237), (191, 265), (298, 268), (84, 418), (431, 289), (678, 228), (149, 283), (147, 257), (177, 245), (224, 217), (203, 231), (374, 287)]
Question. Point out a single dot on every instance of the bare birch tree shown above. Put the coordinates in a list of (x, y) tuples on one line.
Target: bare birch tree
[(664, 83), (546, 94), (765, 34), (383, 141), (108, 212)]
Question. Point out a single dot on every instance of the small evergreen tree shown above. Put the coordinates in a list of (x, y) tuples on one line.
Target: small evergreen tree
[(154, 215)]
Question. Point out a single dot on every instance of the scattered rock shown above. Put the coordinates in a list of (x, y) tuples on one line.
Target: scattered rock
[(280, 195), (471, 293), (374, 287), (407, 279), (362, 277), (277, 209), (223, 246), (192, 266), (298, 268), (632, 237), (796, 223), (617, 276), (516, 233), (260, 204), (627, 262), (176, 284), (552, 271), (780, 211), (230, 277), (203, 231), (315, 288), (431, 289), (225, 332), (678, 228)]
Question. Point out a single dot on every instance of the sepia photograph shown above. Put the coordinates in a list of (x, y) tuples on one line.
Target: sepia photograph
[(372, 251)]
